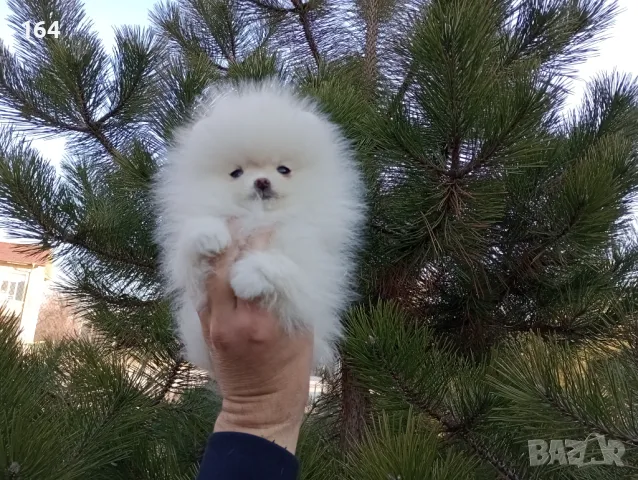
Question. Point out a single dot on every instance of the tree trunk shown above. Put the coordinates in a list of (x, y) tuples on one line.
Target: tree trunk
[(354, 407)]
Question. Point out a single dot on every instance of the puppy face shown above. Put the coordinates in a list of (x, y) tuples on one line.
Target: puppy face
[(262, 149), (261, 180)]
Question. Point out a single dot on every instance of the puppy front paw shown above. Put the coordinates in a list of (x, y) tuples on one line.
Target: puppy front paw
[(248, 280), (206, 238)]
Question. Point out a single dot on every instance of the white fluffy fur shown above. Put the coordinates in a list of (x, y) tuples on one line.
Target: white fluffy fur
[(305, 275)]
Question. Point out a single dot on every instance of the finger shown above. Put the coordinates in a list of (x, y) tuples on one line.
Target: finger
[(258, 240), (219, 265), (218, 284), (220, 293), (220, 297)]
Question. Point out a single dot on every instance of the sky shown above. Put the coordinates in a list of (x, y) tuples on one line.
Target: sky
[(105, 15), (616, 52)]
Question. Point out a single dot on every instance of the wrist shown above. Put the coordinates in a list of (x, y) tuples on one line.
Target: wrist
[(283, 433)]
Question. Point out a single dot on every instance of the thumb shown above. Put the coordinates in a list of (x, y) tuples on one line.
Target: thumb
[(219, 293), (218, 288)]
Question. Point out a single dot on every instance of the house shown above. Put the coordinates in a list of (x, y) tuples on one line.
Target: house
[(24, 276)]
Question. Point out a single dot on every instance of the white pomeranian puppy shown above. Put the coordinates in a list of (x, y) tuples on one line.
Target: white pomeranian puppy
[(262, 155)]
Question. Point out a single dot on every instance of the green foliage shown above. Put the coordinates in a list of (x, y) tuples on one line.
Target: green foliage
[(499, 292), (410, 452), (82, 410)]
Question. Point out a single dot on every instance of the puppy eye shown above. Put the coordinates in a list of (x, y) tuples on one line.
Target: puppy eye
[(283, 170), (236, 173)]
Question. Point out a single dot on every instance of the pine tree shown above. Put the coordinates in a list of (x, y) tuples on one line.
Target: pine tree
[(499, 294)]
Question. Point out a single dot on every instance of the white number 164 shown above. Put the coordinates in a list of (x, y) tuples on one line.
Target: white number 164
[(39, 31)]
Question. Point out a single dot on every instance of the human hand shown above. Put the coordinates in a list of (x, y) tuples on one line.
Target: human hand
[(263, 373)]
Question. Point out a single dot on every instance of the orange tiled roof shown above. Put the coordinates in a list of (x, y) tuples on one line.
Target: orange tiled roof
[(23, 254)]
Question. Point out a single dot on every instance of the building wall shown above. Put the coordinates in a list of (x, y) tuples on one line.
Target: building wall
[(34, 290)]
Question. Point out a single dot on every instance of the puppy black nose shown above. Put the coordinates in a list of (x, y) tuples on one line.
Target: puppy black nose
[(262, 184)]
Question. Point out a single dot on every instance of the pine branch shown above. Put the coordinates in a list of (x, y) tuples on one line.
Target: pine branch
[(137, 56), (86, 84), (399, 96), (487, 151), (14, 95), (273, 8), (452, 426), (559, 33), (35, 196), (388, 360), (232, 55), (95, 128), (181, 33), (598, 427), (115, 110), (372, 19), (172, 378), (488, 455), (422, 160), (87, 440), (302, 10), (381, 229), (120, 300), (53, 211), (149, 267), (455, 154), (354, 408)]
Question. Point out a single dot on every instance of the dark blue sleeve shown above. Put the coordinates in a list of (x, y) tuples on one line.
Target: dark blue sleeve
[(239, 456)]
